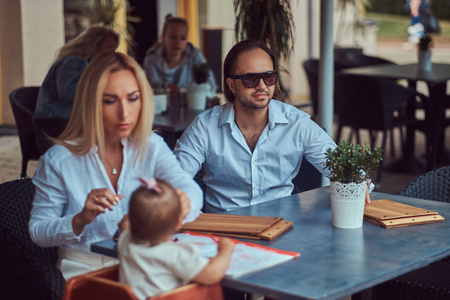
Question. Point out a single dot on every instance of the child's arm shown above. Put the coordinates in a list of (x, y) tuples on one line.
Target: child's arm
[(216, 267)]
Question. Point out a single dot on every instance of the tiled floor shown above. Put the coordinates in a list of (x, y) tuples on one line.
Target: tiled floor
[(11, 159)]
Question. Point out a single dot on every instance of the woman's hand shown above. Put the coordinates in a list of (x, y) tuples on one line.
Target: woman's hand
[(97, 201), (185, 203)]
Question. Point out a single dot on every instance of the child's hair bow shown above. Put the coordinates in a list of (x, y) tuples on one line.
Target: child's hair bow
[(150, 184)]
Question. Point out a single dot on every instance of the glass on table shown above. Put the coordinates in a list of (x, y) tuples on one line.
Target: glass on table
[(161, 91)]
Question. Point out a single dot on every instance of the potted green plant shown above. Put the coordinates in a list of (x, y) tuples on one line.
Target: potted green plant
[(199, 90), (425, 44), (350, 166)]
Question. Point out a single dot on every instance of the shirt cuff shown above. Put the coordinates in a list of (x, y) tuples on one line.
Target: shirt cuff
[(67, 230)]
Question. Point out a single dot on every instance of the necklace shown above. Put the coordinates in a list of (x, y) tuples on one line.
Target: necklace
[(114, 170)]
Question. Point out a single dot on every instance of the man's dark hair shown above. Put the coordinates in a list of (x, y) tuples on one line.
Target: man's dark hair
[(229, 66)]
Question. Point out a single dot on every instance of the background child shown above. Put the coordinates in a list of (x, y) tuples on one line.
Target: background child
[(150, 262)]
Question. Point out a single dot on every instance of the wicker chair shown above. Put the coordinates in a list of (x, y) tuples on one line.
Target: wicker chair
[(47, 127), (27, 270), (23, 103), (434, 185), (432, 281)]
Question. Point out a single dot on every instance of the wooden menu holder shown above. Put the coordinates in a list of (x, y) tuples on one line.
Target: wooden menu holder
[(264, 228), (388, 213)]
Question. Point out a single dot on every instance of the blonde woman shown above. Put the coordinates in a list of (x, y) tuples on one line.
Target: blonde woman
[(57, 92), (84, 182), (171, 60)]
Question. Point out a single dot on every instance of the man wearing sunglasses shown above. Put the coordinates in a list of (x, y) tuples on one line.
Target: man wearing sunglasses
[(251, 147)]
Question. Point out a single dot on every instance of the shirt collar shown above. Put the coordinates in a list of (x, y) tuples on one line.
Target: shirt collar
[(275, 114), (124, 142), (227, 114)]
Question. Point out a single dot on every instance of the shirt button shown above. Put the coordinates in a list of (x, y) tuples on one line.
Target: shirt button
[(254, 187), (253, 163)]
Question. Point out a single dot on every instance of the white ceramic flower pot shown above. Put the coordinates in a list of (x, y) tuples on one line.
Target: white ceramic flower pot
[(196, 95), (347, 204), (424, 64)]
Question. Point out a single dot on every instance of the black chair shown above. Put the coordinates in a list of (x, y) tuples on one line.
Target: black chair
[(308, 178), (23, 103), (27, 270), (341, 56), (376, 105), (432, 281), (46, 128), (311, 67)]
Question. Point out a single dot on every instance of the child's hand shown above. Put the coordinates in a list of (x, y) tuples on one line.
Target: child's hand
[(124, 223), (225, 244), (217, 266), (185, 203)]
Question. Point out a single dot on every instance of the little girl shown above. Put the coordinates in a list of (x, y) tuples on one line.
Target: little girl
[(150, 262)]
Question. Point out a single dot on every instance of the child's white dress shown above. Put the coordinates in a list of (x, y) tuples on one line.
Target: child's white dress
[(153, 270)]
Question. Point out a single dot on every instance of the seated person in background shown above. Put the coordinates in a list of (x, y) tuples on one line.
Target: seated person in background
[(251, 147), (55, 98), (150, 261), (84, 182), (171, 60)]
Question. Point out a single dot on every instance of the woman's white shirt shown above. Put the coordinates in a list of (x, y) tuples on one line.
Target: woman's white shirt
[(63, 181)]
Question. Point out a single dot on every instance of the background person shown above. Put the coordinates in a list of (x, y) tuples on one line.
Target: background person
[(150, 262), (171, 60), (417, 9), (56, 95), (84, 183)]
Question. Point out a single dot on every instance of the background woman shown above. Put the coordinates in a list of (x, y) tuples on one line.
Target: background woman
[(171, 59), (57, 92), (83, 184)]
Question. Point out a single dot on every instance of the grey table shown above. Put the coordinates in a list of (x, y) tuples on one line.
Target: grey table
[(172, 124), (436, 80), (335, 262)]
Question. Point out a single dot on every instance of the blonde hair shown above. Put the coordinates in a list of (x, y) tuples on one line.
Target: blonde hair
[(85, 45), (85, 128), (154, 214)]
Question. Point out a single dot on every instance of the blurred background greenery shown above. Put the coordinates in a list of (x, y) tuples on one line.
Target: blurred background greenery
[(393, 28), (393, 20)]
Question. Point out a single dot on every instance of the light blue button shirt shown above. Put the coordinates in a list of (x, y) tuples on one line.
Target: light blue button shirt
[(63, 181), (236, 177)]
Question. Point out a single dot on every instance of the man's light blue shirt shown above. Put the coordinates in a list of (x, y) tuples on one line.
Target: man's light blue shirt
[(235, 177)]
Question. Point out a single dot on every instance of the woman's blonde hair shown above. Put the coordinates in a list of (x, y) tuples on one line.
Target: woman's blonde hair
[(85, 128), (85, 45)]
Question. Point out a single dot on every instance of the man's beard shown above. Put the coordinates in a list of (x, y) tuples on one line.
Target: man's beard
[(249, 104)]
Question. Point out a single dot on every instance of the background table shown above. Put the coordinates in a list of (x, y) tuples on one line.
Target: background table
[(335, 262), (436, 80), (172, 124)]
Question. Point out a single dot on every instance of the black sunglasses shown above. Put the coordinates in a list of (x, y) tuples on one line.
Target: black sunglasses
[(251, 80)]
